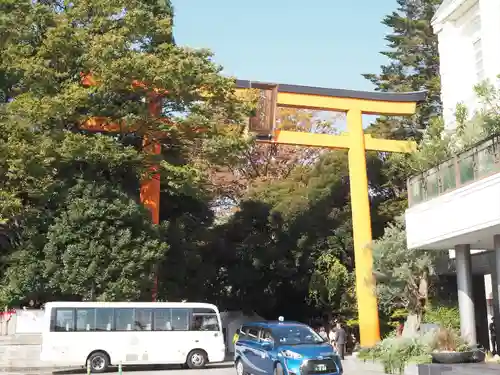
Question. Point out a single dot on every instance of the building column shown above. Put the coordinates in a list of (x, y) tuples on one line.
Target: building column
[(495, 281), (465, 297)]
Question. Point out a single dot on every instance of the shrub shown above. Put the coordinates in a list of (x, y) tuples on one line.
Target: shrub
[(444, 316), (448, 340), (395, 353)]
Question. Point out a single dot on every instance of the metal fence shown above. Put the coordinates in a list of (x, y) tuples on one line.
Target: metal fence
[(478, 162)]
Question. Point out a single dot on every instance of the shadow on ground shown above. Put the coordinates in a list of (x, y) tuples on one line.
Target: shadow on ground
[(143, 368)]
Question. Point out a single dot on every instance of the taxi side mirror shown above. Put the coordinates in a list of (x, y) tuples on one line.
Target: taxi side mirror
[(267, 345)]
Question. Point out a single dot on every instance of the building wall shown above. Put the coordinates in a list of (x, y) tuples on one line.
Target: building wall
[(21, 321), (467, 215), (468, 51)]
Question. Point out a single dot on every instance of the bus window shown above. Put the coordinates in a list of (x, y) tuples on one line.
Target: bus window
[(204, 320), (163, 319), (124, 319), (64, 321), (104, 318), (143, 319), (85, 320), (180, 319)]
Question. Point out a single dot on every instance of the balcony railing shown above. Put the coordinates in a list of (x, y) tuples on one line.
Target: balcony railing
[(478, 162)]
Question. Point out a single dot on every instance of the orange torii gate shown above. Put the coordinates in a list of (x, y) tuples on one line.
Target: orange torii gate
[(354, 104)]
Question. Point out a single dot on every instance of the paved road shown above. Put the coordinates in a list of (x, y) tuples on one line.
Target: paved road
[(225, 368), (220, 369)]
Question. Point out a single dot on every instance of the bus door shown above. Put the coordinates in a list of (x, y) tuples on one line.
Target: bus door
[(206, 333)]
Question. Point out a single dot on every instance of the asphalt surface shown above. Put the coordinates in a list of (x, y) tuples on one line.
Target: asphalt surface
[(226, 368)]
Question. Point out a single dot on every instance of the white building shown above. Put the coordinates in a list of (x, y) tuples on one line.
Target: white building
[(468, 33), (457, 204)]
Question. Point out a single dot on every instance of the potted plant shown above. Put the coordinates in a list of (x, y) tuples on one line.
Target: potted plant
[(448, 347)]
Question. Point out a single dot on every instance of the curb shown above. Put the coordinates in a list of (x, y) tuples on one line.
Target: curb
[(37, 370)]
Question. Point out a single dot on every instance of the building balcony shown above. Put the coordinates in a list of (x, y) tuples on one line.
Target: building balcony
[(457, 202)]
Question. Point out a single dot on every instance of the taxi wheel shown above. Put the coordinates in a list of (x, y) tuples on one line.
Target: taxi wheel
[(196, 359), (240, 369), (278, 370)]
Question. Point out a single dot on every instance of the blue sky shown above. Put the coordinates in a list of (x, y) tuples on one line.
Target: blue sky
[(314, 42), (327, 43)]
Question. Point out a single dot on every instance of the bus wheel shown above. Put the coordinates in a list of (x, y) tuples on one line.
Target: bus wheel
[(98, 362), (196, 359)]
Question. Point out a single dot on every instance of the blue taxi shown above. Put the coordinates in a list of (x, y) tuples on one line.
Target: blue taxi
[(283, 348)]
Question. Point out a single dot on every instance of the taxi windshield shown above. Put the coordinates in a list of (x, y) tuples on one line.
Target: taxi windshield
[(296, 335)]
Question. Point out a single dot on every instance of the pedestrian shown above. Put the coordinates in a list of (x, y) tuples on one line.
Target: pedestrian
[(493, 334), (340, 340), (322, 333), (331, 334), (400, 329), (236, 336)]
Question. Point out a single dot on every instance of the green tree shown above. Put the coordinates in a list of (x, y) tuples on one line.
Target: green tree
[(403, 275), (99, 247), (329, 284), (127, 247), (283, 245), (413, 65), (52, 167)]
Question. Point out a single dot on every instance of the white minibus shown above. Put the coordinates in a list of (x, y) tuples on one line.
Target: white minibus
[(103, 334)]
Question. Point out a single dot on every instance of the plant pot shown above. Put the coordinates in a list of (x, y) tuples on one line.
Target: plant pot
[(452, 357), (478, 356)]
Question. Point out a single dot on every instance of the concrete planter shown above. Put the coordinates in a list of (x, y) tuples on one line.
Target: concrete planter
[(354, 365), (452, 357), (459, 369)]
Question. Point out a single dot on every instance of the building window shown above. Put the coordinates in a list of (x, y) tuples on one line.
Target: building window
[(478, 60)]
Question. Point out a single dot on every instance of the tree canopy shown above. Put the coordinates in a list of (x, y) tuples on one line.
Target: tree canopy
[(69, 205)]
